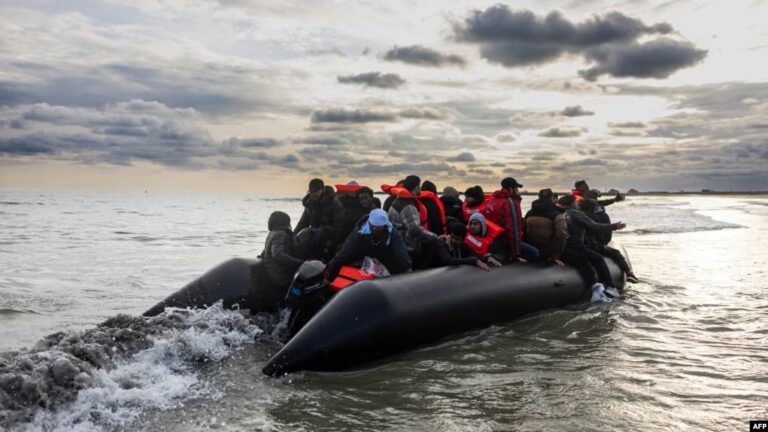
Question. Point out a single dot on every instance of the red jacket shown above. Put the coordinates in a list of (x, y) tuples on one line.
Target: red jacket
[(578, 194), (504, 210)]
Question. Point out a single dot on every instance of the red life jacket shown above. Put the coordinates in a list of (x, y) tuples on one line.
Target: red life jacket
[(342, 188), (578, 194), (427, 195), (401, 192), (469, 211), (347, 276), (480, 245)]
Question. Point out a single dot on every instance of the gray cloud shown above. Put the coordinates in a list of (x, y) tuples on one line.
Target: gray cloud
[(352, 116), (630, 125), (463, 157), (556, 132), (373, 79), (576, 111), (521, 38), (423, 56), (655, 59)]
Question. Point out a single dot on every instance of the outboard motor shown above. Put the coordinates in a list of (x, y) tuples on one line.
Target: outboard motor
[(306, 295)]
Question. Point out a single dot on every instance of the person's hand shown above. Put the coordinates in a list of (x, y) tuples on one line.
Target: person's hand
[(494, 262), (619, 197), (522, 260), (619, 225), (483, 265), (557, 262)]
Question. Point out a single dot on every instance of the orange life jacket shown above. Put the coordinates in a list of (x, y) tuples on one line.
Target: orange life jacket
[(578, 194), (427, 195), (347, 276), (480, 245), (341, 188), (401, 192), (469, 211)]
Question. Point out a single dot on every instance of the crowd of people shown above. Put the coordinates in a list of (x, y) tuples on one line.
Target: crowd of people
[(416, 229)]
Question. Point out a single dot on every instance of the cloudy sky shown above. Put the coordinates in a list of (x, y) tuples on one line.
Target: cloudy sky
[(239, 95)]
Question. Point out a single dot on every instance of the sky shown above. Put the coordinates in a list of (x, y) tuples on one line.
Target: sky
[(261, 96)]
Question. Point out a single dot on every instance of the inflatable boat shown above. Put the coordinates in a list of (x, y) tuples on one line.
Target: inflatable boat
[(371, 319)]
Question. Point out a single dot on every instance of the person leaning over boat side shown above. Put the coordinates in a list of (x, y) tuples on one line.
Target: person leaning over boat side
[(486, 240), (576, 254), (452, 205), (408, 216), (374, 237), (593, 241), (318, 215), (545, 227), (504, 210), (474, 202), (452, 250), (434, 206), (278, 255)]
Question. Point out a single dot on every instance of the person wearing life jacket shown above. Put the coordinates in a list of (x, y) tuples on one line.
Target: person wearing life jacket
[(581, 191), (474, 202), (409, 216), (391, 198), (545, 227), (279, 257), (486, 240), (504, 210), (576, 254), (434, 206), (349, 209), (452, 205), (374, 237), (452, 250), (593, 241)]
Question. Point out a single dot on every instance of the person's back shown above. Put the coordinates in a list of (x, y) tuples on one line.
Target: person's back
[(348, 210), (452, 205), (278, 255), (545, 226)]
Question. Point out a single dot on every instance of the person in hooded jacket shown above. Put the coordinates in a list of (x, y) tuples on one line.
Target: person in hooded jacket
[(349, 210), (405, 215), (452, 250), (374, 237), (488, 244), (279, 258), (319, 209), (594, 241), (435, 214), (474, 202), (452, 205), (504, 210), (545, 227), (576, 254)]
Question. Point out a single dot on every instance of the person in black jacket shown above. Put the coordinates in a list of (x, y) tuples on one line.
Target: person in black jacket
[(576, 254), (434, 214), (452, 205), (376, 238), (451, 249), (319, 209), (595, 242), (278, 255), (350, 209)]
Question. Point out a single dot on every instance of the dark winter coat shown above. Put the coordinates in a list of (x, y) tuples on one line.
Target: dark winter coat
[(461, 255), (347, 213), (579, 223), (318, 213), (434, 217), (546, 228), (278, 255), (357, 246), (452, 207)]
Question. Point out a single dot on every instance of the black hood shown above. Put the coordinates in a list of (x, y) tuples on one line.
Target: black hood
[(545, 207), (450, 200), (325, 199), (279, 221)]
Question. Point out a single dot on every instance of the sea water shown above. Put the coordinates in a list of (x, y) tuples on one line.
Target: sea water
[(685, 349)]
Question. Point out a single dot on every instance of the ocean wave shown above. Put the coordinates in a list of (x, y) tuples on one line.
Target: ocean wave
[(12, 311), (677, 230), (106, 377)]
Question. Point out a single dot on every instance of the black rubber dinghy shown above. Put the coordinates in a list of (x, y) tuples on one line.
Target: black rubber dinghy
[(237, 281), (373, 319)]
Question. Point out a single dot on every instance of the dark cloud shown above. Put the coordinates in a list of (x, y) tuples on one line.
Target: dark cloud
[(352, 116), (576, 111), (521, 38), (373, 79), (502, 138), (122, 133), (655, 59), (463, 157), (423, 56), (630, 125), (556, 132), (426, 113)]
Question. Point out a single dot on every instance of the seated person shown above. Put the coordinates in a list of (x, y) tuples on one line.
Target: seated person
[(486, 239), (376, 238), (451, 250), (278, 255)]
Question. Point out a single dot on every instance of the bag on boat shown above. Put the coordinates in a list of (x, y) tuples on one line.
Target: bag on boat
[(374, 267)]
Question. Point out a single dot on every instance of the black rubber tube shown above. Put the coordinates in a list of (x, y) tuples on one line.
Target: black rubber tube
[(377, 318), (236, 281)]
